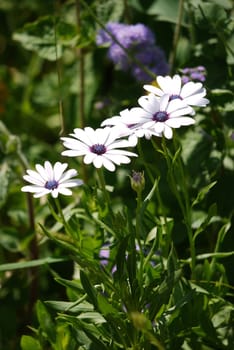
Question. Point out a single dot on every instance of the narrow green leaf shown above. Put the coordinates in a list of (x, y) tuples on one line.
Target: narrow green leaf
[(91, 292), (203, 192), (31, 263), (72, 307), (46, 322)]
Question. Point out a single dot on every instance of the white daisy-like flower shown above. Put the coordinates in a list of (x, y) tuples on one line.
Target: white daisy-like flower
[(102, 147), (128, 124), (51, 179), (161, 115), (193, 94)]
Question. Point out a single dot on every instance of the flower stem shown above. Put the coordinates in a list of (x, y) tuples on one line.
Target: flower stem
[(176, 35), (138, 234), (34, 253), (104, 190), (177, 181), (81, 81)]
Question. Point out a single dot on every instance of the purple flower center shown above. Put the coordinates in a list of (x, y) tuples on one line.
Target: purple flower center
[(51, 184), (98, 149), (174, 97), (160, 116)]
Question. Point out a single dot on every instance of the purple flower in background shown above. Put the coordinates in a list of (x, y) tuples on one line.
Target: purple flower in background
[(197, 74), (104, 254), (139, 41)]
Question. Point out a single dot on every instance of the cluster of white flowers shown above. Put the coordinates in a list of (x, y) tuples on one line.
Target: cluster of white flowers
[(168, 105)]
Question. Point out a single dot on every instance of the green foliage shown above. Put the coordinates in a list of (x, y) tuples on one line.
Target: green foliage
[(47, 37), (168, 280)]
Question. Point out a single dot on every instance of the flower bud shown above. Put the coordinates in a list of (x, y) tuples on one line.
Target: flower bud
[(137, 181)]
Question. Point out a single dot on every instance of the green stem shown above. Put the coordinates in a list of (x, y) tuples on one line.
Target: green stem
[(176, 35), (127, 12), (58, 68), (139, 230), (104, 190), (80, 53), (34, 253), (81, 81)]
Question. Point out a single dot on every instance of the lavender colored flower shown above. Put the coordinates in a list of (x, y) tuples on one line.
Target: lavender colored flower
[(104, 254), (197, 74), (139, 41)]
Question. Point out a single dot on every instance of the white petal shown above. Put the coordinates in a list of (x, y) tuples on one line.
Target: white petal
[(166, 84), (71, 183), (32, 189), (98, 162), (175, 104), (196, 100), (177, 122), (154, 90), (49, 170), (164, 102), (133, 140), (67, 175), (55, 193), (42, 193), (120, 152), (73, 153), (86, 135), (149, 103), (74, 144), (33, 180), (191, 88), (118, 159), (183, 111), (159, 127), (167, 132), (41, 170), (108, 164), (59, 169), (89, 158), (176, 90), (65, 191)]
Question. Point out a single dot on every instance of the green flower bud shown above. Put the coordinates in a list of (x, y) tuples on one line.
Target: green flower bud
[(137, 181)]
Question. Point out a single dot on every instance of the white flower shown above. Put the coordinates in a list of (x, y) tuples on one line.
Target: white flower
[(51, 179), (129, 124), (161, 115), (100, 147), (191, 93)]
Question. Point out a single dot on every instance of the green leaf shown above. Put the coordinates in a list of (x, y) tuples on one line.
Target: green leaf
[(29, 343), (210, 15), (105, 307), (72, 307), (46, 322), (165, 10), (203, 192), (91, 292), (31, 263), (4, 181), (92, 317), (75, 286), (91, 330)]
